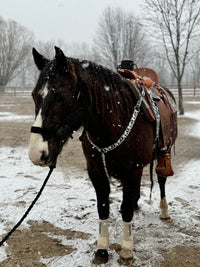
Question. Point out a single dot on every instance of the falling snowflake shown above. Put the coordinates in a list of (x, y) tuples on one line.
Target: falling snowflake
[(107, 88), (85, 65)]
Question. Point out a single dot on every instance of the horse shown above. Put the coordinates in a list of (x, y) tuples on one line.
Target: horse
[(117, 139)]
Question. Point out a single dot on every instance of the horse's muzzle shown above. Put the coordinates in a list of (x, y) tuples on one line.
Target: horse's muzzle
[(39, 152)]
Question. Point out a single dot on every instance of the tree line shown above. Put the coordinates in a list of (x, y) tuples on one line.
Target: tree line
[(166, 39)]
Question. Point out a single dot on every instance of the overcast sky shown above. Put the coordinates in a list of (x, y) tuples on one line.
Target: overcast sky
[(69, 20)]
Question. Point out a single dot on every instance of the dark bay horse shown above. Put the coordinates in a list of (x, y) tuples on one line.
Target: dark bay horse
[(117, 139)]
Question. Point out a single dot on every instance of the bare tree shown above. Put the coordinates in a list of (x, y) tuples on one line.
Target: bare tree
[(15, 47), (193, 68), (159, 64), (119, 36), (77, 50), (177, 25)]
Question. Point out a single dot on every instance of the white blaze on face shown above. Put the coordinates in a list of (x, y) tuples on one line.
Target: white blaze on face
[(37, 145), (44, 91)]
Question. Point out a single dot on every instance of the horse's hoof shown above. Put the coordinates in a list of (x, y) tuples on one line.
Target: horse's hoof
[(125, 262), (101, 256), (167, 219), (126, 257)]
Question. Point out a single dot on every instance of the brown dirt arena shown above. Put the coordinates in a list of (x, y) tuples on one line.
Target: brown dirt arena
[(15, 134)]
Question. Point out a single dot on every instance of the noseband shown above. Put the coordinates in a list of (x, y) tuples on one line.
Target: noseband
[(43, 131)]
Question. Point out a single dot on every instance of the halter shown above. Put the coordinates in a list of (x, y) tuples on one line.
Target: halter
[(128, 129), (42, 130), (53, 131)]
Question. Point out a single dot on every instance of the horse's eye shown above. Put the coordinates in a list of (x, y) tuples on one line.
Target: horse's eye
[(53, 91)]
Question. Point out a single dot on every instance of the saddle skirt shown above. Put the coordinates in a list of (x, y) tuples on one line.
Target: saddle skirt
[(148, 80)]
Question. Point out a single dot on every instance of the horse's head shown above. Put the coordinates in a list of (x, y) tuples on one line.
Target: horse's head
[(58, 107)]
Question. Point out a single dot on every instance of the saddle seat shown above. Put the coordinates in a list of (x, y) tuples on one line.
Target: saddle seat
[(148, 80)]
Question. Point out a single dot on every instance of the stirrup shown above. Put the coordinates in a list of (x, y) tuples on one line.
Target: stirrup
[(164, 167)]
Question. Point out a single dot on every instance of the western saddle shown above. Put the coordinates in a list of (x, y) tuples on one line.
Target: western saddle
[(159, 97)]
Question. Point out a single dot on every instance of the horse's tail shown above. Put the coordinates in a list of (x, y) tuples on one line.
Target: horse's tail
[(170, 93)]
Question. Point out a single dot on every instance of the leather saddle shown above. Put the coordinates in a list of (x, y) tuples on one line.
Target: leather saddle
[(148, 80)]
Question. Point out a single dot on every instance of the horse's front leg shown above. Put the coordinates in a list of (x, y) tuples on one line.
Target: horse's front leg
[(102, 188), (163, 202), (131, 189)]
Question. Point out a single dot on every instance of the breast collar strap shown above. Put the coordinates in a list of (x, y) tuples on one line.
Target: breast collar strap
[(128, 129)]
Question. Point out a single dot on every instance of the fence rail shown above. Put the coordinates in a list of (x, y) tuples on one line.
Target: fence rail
[(16, 91), (188, 91)]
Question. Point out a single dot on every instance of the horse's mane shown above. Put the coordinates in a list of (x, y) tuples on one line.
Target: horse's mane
[(111, 92), (105, 74)]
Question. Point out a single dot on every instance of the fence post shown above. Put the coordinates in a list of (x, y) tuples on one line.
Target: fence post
[(194, 96)]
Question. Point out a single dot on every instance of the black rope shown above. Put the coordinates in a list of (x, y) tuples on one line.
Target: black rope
[(29, 208)]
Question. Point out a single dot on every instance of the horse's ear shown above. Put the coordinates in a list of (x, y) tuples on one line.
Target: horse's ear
[(40, 60), (63, 63), (60, 57)]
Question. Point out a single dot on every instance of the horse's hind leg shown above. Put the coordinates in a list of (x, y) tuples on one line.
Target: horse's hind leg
[(102, 188), (163, 202)]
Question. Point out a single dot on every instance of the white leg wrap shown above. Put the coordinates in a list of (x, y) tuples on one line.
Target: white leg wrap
[(164, 209), (103, 240), (127, 242)]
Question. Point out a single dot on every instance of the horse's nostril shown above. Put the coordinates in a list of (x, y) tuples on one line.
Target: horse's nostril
[(43, 156)]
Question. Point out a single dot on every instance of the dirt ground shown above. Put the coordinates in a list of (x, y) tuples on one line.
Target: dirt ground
[(14, 134)]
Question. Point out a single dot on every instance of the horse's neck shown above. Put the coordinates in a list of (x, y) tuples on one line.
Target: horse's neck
[(110, 110)]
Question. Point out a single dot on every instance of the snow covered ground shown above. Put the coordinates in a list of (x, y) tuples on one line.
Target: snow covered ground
[(9, 116), (194, 115), (68, 202)]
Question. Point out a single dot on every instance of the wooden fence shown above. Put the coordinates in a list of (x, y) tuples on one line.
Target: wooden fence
[(188, 91), (16, 91)]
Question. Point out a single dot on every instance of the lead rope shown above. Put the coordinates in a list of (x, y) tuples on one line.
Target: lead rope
[(29, 208), (105, 150)]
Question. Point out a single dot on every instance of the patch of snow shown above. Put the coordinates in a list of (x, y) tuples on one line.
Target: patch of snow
[(193, 115), (195, 130), (193, 102), (9, 116), (75, 209), (69, 202)]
